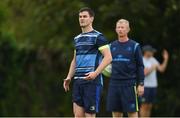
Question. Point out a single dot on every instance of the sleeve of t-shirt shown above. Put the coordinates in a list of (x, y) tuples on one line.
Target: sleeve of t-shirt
[(140, 65), (155, 61), (101, 42)]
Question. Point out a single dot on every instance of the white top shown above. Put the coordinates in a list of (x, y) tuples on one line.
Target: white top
[(151, 79)]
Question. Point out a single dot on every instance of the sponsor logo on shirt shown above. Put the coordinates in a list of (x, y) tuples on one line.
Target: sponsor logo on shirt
[(121, 58)]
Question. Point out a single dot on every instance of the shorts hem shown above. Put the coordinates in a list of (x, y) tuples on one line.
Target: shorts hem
[(78, 104)]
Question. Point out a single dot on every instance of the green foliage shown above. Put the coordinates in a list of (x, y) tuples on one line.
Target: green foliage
[(36, 47)]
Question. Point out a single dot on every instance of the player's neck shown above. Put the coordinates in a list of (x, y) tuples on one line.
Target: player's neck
[(87, 29), (123, 39)]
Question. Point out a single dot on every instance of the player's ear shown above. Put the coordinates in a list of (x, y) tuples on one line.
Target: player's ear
[(116, 30), (128, 30), (92, 19)]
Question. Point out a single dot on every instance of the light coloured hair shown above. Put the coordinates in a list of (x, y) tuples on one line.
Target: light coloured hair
[(123, 21)]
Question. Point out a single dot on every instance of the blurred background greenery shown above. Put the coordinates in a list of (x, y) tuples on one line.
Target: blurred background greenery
[(36, 47)]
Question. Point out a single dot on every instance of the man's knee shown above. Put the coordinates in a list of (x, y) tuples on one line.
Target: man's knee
[(145, 107), (90, 115), (132, 114), (78, 113), (117, 114), (78, 110)]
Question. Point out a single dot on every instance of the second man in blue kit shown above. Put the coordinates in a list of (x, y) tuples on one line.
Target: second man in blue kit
[(127, 77)]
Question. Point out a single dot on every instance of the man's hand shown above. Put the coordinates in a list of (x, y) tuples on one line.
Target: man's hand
[(66, 83), (91, 76), (165, 54), (140, 90)]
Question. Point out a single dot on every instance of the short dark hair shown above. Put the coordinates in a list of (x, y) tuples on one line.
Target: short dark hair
[(89, 10)]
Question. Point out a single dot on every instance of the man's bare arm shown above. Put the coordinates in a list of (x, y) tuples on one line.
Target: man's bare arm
[(162, 67), (107, 58), (72, 67), (70, 73)]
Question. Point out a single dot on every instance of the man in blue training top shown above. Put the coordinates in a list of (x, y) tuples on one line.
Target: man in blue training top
[(91, 56), (127, 73)]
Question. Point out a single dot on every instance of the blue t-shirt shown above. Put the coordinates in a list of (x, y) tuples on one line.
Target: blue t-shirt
[(88, 57), (127, 63)]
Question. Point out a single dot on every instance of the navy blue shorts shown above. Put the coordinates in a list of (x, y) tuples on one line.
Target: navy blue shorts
[(149, 95), (122, 99), (87, 95)]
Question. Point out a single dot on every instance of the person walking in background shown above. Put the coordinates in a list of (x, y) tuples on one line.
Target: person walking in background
[(91, 56), (127, 73), (150, 82)]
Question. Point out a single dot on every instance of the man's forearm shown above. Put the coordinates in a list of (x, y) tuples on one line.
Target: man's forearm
[(163, 66), (71, 69), (106, 61)]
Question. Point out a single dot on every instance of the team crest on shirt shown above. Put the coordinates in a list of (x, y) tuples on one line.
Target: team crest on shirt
[(114, 48), (92, 108), (128, 48)]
